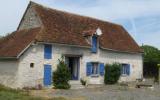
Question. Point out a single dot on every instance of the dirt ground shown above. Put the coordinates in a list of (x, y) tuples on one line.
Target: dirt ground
[(105, 92)]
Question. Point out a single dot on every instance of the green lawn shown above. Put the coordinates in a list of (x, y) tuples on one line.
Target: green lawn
[(11, 94)]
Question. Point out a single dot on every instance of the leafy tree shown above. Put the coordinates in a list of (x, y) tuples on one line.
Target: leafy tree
[(61, 76), (151, 60), (151, 54), (112, 73)]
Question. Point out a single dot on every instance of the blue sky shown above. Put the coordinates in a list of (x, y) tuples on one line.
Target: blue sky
[(140, 17)]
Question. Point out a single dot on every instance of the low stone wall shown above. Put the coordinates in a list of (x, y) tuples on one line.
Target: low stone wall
[(8, 73)]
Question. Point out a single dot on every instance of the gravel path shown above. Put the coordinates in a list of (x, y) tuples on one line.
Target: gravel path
[(109, 92)]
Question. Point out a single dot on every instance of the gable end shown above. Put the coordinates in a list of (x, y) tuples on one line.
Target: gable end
[(30, 18)]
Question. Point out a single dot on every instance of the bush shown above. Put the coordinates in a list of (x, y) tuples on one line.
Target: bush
[(112, 73), (83, 82), (61, 76)]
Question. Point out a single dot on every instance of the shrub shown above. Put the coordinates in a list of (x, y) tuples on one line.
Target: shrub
[(112, 73), (83, 82), (61, 76)]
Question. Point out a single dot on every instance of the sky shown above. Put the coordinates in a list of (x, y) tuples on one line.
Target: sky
[(141, 18)]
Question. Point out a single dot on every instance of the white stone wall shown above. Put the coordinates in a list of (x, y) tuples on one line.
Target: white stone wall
[(35, 54), (8, 73), (32, 76), (30, 19)]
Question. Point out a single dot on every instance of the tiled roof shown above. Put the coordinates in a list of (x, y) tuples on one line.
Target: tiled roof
[(89, 32), (66, 28), (60, 26), (13, 44)]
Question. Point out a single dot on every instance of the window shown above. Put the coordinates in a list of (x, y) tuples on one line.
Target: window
[(94, 44), (48, 51), (31, 65), (125, 69), (95, 68)]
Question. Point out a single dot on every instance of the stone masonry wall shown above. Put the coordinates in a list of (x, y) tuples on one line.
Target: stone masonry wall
[(35, 54), (30, 20), (8, 73)]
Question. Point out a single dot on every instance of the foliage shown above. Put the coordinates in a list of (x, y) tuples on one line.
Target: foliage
[(151, 54), (83, 82), (112, 73), (151, 59), (61, 76)]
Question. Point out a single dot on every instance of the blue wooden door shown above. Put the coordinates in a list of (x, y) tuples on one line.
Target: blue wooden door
[(47, 75)]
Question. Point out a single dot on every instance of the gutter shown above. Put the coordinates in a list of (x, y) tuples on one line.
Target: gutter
[(121, 51), (8, 58), (65, 44)]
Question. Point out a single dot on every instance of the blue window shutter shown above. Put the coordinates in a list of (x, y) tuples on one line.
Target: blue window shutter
[(122, 69), (94, 44), (101, 69), (128, 69), (89, 68), (47, 51)]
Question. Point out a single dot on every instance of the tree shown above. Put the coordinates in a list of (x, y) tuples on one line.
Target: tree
[(151, 59), (151, 54), (112, 73), (61, 76)]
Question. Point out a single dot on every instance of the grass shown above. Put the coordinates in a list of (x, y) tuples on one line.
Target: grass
[(11, 94)]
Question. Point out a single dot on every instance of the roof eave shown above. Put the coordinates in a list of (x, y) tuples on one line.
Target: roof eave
[(8, 58), (131, 52), (18, 56), (64, 44)]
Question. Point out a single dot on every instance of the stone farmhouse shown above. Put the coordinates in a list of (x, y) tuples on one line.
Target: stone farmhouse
[(29, 55)]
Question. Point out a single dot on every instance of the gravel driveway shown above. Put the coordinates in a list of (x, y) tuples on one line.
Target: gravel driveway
[(109, 92)]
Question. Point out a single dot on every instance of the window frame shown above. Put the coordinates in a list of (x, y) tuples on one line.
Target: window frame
[(96, 72), (90, 71), (47, 55), (94, 48), (124, 69)]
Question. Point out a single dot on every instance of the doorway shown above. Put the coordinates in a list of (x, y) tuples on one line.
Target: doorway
[(73, 65)]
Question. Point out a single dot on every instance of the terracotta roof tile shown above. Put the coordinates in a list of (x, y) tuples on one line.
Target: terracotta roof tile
[(89, 32), (16, 42), (64, 27)]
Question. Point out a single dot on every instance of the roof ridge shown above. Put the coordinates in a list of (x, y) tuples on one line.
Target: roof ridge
[(75, 14)]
